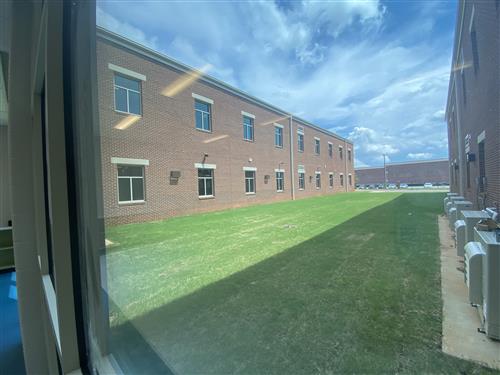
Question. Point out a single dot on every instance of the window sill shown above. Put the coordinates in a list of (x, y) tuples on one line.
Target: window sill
[(280, 191), (249, 140), (203, 130), (131, 203), (301, 189), (203, 197), (127, 113), (280, 147), (301, 151), (250, 193)]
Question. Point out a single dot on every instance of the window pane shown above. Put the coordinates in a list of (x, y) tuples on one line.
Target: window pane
[(131, 84), (121, 99), (138, 189), (130, 170), (201, 186), (205, 107), (134, 101), (206, 121), (199, 121), (124, 194), (204, 172), (251, 186), (209, 186)]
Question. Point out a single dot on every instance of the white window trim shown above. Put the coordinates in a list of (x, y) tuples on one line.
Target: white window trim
[(126, 72), (205, 166), (131, 178), (202, 98), (205, 185), (250, 169), (317, 138), (481, 137), (282, 180), (279, 170), (128, 161), (281, 137), (278, 125), (317, 172), (254, 178), (330, 174), (248, 114), (300, 131)]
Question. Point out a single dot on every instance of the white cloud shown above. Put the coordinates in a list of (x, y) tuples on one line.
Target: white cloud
[(420, 155)]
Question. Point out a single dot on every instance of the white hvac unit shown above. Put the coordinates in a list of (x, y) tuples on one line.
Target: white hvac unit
[(460, 237), (464, 228), (458, 207), (449, 205), (491, 282), (473, 272), (447, 199)]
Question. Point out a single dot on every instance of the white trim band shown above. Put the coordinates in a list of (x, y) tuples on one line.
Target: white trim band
[(129, 161), (205, 166), (316, 138), (300, 130), (279, 170), (317, 172), (202, 98), (252, 169), (278, 125), (481, 137), (248, 114), (126, 72)]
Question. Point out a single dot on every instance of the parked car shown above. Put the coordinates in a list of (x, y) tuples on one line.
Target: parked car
[(372, 186), (427, 185), (403, 186), (392, 186)]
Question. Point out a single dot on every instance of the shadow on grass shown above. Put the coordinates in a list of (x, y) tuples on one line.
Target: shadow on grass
[(363, 296)]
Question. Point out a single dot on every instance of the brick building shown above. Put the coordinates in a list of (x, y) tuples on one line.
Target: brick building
[(411, 173), (176, 142), (472, 110)]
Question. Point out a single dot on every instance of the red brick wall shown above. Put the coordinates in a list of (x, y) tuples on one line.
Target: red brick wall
[(167, 137)]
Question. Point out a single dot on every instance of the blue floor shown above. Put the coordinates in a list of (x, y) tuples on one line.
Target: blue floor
[(11, 349)]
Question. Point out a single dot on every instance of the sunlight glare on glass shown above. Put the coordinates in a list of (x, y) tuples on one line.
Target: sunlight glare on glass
[(127, 122), (185, 81), (214, 139)]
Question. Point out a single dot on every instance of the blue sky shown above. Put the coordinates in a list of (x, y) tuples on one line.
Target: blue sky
[(373, 71)]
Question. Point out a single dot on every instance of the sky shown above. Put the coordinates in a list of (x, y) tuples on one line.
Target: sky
[(375, 72)]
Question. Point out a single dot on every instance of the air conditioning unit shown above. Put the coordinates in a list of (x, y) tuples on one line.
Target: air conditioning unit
[(460, 241), (492, 212), (449, 205), (473, 272), (447, 199), (459, 206), (452, 213), (491, 282), (471, 218)]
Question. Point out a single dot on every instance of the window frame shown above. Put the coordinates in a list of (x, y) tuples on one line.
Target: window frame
[(349, 154), (300, 139), (330, 180), (209, 104), (139, 81), (341, 153), (143, 178), (278, 134), (279, 175), (247, 179), (302, 180), (341, 178), (317, 179), (330, 150), (317, 146), (251, 126), (205, 178)]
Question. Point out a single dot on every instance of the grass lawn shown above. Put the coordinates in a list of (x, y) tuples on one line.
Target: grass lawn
[(334, 284)]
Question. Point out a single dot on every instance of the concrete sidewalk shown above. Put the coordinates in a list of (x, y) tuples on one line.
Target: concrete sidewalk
[(461, 320)]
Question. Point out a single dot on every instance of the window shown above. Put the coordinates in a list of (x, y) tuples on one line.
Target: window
[(127, 95), (317, 147), (330, 150), (300, 141), (349, 179), (202, 112), (302, 182), (341, 152), (318, 180), (280, 181), (250, 182), (349, 155), (341, 179), (205, 182), (482, 168), (278, 136), (130, 183), (247, 128), (330, 177)]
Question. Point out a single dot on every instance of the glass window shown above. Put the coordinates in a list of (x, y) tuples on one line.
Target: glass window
[(318, 180), (130, 183), (349, 179), (330, 150), (127, 95), (302, 181), (280, 181), (349, 155), (250, 182), (330, 176), (205, 182), (317, 147), (247, 128), (202, 113), (300, 142), (278, 136), (341, 180), (341, 152)]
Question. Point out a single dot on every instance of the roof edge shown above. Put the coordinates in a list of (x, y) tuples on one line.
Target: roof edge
[(161, 58)]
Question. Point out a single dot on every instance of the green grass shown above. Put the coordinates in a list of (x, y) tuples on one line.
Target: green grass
[(335, 284)]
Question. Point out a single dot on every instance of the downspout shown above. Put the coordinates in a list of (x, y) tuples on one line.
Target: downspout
[(292, 167), (346, 175)]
